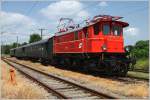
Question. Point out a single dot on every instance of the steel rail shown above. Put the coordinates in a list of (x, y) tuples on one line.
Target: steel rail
[(93, 92), (49, 89), (138, 78)]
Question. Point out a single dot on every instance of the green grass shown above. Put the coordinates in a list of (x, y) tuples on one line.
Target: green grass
[(138, 75), (142, 64)]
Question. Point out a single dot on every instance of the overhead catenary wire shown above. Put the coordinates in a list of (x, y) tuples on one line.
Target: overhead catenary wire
[(32, 7), (28, 13), (129, 13), (134, 10), (89, 6), (30, 10)]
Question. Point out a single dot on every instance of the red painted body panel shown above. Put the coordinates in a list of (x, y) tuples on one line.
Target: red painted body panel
[(67, 43)]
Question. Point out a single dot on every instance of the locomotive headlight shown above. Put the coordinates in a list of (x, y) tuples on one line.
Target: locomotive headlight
[(104, 47)]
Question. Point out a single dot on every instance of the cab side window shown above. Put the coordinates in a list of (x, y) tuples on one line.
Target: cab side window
[(116, 30), (76, 35), (96, 28), (106, 29), (85, 31)]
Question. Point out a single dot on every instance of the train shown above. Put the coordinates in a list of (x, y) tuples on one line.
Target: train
[(99, 46)]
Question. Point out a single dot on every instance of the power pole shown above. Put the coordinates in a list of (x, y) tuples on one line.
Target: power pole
[(42, 29), (2, 44), (17, 41), (2, 51)]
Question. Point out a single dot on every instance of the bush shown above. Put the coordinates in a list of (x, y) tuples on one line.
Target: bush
[(142, 64)]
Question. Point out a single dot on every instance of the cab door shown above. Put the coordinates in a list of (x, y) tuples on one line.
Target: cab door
[(112, 33), (106, 33), (117, 31)]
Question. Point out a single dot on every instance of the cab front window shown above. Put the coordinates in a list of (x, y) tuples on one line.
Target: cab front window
[(106, 29), (116, 29)]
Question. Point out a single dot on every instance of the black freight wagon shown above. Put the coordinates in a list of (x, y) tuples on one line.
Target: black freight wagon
[(41, 50), (12, 52)]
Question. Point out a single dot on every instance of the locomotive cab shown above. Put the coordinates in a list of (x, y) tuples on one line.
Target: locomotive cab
[(112, 32), (106, 43), (108, 36)]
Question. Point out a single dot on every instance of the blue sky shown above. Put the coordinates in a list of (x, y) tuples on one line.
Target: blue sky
[(24, 18)]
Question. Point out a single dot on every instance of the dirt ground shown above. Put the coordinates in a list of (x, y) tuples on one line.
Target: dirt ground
[(20, 87), (138, 89)]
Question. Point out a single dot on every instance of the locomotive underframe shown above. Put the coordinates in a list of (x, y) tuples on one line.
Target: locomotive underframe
[(110, 63)]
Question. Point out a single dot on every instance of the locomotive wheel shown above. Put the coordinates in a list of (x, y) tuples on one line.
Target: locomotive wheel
[(123, 70), (84, 67), (108, 68), (119, 69), (44, 62), (67, 63), (53, 62), (75, 64)]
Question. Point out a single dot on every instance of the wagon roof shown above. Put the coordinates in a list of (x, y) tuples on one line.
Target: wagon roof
[(34, 43), (38, 42)]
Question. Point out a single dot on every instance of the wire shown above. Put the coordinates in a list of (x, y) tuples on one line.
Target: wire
[(32, 7), (28, 12), (89, 6), (134, 11)]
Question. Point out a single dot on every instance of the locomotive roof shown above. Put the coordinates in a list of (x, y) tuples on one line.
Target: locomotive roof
[(62, 33), (76, 29), (124, 24)]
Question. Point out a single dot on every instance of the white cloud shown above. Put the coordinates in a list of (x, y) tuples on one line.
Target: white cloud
[(71, 9), (63, 9), (103, 4), (15, 22), (81, 16), (131, 31)]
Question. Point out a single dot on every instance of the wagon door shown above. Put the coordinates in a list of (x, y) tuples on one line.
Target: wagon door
[(45, 52), (49, 48)]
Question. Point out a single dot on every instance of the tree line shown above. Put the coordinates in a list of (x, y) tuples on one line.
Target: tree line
[(5, 49), (140, 49)]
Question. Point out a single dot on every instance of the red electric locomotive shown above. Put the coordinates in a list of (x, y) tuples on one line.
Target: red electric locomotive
[(99, 45)]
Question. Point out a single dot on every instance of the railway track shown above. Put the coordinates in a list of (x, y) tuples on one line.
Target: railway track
[(61, 88), (127, 79)]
